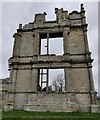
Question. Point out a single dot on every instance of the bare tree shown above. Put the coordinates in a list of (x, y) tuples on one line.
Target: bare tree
[(59, 83)]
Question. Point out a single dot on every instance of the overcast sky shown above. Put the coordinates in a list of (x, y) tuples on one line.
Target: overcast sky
[(14, 13)]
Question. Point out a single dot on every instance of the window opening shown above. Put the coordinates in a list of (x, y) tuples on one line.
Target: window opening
[(56, 46), (52, 80), (44, 76), (51, 43)]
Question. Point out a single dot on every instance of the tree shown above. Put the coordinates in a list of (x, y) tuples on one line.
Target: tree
[(58, 83)]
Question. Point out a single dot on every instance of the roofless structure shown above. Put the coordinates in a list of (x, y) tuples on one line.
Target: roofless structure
[(30, 64)]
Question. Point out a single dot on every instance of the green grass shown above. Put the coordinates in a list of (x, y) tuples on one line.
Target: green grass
[(24, 115)]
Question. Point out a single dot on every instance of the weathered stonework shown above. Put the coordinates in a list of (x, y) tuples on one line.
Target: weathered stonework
[(79, 94)]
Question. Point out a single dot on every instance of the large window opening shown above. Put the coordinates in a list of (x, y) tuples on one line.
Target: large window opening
[(51, 80), (51, 43)]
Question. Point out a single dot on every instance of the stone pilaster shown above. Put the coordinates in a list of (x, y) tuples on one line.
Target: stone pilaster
[(34, 81)]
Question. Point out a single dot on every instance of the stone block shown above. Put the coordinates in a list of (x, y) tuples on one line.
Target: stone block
[(95, 108)]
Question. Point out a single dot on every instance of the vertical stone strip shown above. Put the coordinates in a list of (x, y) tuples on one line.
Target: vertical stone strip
[(65, 40), (91, 84), (14, 77), (10, 79), (91, 78), (67, 78), (66, 70), (36, 45), (34, 81), (17, 43), (47, 43), (88, 64)]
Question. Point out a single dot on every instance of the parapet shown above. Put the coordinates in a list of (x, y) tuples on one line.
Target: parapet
[(61, 15), (63, 18), (40, 18)]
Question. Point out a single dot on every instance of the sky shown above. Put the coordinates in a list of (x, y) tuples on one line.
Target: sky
[(14, 13)]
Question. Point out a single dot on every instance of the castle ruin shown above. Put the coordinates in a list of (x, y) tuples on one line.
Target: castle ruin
[(28, 65)]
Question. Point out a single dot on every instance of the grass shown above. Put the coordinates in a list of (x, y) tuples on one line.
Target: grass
[(24, 115)]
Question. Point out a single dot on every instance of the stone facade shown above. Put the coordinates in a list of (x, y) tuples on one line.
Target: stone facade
[(26, 62)]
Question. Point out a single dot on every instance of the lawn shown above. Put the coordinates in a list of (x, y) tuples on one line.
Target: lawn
[(24, 115)]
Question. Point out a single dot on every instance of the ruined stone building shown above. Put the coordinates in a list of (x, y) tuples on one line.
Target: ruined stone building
[(28, 65)]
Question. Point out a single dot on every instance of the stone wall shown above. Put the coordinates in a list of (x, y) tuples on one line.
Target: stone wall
[(27, 61), (58, 102)]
